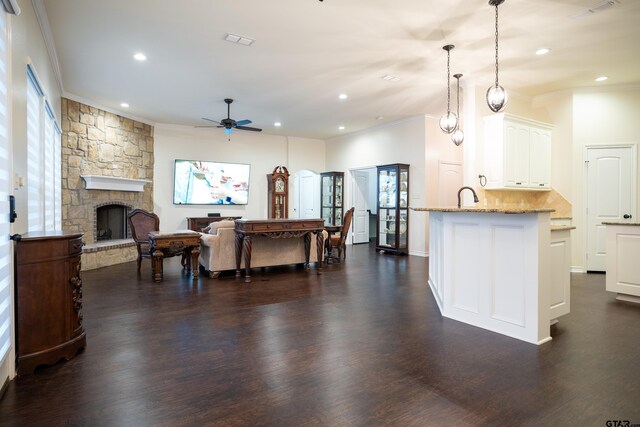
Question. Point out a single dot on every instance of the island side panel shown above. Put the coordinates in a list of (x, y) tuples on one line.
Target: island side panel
[(436, 257), (495, 271)]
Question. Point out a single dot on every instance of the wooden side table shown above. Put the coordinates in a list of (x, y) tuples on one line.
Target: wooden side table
[(170, 243)]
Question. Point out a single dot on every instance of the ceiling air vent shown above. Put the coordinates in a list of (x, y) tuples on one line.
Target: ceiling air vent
[(598, 7)]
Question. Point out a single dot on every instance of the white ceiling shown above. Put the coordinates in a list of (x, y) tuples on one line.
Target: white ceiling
[(307, 52)]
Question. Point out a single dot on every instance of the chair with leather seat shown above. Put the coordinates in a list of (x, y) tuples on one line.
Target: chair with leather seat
[(141, 223), (338, 241)]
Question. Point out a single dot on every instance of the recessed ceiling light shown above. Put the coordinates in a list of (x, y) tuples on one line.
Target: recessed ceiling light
[(124, 105), (390, 78), (140, 56), (542, 51), (343, 96), (277, 124), (601, 78), (340, 127)]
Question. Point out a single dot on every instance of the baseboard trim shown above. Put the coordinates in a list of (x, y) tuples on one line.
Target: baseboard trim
[(419, 253), (578, 269), (4, 388)]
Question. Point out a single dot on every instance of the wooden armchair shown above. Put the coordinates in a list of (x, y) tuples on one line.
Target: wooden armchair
[(339, 241), (141, 223)]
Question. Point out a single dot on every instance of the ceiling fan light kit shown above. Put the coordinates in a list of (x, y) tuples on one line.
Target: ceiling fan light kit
[(496, 95), (449, 121)]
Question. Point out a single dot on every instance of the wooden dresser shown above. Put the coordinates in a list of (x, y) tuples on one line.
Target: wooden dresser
[(198, 223), (48, 299)]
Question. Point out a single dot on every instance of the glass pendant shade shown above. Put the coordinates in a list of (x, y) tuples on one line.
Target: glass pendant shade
[(497, 98), (496, 95), (457, 137), (449, 122)]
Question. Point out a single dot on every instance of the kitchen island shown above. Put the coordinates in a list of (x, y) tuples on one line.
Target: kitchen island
[(492, 268)]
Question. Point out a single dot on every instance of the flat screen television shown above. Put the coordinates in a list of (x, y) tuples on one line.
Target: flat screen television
[(198, 182)]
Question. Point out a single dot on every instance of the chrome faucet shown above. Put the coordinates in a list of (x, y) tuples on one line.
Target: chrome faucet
[(475, 196)]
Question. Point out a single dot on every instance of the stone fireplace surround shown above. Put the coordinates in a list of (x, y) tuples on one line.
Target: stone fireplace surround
[(98, 143)]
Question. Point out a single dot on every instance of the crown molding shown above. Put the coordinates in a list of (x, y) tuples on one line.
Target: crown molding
[(47, 35)]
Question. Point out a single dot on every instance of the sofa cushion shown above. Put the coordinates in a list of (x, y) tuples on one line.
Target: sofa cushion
[(214, 226)]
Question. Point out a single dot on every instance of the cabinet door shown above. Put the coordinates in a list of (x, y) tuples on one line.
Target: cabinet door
[(539, 158), (516, 156)]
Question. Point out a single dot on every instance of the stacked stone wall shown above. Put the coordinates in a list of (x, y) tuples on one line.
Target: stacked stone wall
[(97, 142)]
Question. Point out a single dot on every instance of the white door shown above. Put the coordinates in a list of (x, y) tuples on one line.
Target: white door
[(449, 182), (307, 194), (611, 186), (360, 221), (7, 353)]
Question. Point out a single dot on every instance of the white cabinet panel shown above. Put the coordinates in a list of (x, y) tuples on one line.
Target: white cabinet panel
[(517, 153), (560, 295), (622, 255)]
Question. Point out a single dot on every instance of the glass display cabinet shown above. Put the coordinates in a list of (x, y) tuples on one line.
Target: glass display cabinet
[(331, 197), (392, 229)]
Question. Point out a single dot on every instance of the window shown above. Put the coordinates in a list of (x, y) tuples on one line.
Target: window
[(5, 187), (44, 202)]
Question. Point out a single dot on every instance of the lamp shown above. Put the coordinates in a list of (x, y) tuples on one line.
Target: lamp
[(496, 95), (449, 121), (458, 136)]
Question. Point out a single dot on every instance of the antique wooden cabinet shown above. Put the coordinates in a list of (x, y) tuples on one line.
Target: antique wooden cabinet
[(278, 197), (331, 188), (392, 229), (48, 299)]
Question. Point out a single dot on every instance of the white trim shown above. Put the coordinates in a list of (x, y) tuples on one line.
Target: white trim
[(422, 254), (91, 103), (95, 182), (47, 35), (578, 269)]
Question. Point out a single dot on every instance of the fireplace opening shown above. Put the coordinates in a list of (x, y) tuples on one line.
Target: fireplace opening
[(111, 222)]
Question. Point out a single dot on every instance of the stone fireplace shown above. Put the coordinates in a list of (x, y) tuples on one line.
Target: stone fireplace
[(101, 146)]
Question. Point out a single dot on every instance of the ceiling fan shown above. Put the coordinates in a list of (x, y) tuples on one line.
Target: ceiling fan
[(229, 124)]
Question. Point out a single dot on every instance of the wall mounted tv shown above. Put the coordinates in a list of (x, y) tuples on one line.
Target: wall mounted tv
[(210, 183)]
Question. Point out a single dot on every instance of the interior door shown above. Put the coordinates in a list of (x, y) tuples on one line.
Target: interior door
[(361, 212), (7, 353), (610, 191), (449, 182), (308, 188)]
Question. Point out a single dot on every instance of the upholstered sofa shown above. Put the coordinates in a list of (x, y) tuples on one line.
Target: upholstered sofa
[(218, 252)]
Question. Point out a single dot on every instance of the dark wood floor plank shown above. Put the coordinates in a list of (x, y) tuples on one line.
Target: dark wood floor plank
[(361, 344)]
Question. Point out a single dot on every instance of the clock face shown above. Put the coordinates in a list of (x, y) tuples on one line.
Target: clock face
[(279, 185)]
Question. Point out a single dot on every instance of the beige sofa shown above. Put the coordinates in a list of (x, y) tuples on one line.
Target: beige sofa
[(218, 252)]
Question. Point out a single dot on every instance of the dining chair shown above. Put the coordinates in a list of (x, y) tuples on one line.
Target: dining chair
[(338, 241), (141, 223)]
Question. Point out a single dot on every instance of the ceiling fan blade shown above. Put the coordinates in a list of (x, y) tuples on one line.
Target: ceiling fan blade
[(248, 128), (209, 120), (242, 122)]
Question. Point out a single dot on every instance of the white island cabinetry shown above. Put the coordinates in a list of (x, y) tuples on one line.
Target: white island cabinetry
[(492, 269)]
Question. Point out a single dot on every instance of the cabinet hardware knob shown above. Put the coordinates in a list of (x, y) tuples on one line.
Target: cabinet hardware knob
[(627, 216)]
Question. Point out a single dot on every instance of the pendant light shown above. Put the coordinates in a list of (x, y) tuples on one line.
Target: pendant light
[(458, 136), (449, 121), (496, 95)]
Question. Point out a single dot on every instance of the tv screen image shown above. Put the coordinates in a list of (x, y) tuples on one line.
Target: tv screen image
[(210, 183)]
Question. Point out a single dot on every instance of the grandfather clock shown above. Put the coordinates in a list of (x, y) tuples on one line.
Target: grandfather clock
[(278, 182)]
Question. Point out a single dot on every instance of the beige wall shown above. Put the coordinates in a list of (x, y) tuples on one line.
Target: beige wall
[(262, 151), (399, 142), (27, 46)]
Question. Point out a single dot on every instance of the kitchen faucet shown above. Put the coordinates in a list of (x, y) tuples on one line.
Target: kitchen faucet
[(475, 196)]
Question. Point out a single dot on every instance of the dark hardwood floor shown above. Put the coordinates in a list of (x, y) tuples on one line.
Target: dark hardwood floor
[(362, 344)]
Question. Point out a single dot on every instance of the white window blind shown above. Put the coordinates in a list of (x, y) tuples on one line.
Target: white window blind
[(5, 187), (44, 161)]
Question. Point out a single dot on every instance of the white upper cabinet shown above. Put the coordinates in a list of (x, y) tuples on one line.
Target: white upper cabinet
[(517, 153)]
